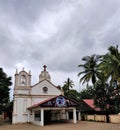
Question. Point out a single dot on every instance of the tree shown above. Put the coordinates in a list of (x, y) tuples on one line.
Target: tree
[(73, 94), (69, 91), (86, 93), (104, 97), (5, 82), (90, 68), (110, 65), (104, 72), (67, 86)]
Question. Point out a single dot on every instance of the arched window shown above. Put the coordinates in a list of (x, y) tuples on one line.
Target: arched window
[(23, 80)]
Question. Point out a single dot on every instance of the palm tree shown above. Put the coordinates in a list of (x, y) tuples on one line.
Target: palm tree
[(90, 67), (110, 65), (67, 86)]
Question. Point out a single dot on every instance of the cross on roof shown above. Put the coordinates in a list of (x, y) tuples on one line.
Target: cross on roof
[(44, 67)]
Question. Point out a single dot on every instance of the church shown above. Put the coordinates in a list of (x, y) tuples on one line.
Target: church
[(42, 102)]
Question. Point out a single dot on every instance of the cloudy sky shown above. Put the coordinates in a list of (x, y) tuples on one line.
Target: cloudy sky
[(57, 33)]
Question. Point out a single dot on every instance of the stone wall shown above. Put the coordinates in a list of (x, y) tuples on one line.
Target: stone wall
[(115, 118), (102, 118)]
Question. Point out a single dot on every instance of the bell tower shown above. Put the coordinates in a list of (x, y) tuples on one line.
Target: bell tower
[(21, 97), (22, 81)]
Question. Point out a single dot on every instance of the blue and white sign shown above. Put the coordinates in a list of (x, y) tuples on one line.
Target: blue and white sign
[(60, 101)]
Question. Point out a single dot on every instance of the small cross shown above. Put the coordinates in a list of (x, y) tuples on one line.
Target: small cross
[(45, 67)]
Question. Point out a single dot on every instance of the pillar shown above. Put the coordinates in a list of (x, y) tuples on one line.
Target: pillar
[(79, 116), (74, 116), (42, 117), (67, 115), (28, 116), (33, 116)]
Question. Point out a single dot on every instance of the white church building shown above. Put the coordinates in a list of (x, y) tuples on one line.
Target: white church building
[(41, 103)]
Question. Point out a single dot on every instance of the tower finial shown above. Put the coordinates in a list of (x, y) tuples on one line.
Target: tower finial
[(16, 71), (45, 67)]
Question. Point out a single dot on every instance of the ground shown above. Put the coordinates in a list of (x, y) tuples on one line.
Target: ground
[(81, 125)]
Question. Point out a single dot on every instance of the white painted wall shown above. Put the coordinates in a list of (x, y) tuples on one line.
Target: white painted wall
[(38, 89), (20, 113), (24, 99), (22, 91)]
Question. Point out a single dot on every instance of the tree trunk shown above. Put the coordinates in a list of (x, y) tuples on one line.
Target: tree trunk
[(107, 117)]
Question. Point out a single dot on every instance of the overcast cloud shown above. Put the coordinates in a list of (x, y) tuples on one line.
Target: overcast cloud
[(57, 33)]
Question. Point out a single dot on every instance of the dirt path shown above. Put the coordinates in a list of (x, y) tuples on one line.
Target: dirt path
[(63, 126)]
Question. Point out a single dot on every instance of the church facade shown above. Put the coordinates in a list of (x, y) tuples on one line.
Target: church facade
[(40, 103)]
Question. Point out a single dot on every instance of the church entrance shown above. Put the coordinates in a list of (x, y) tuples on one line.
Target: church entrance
[(47, 117), (53, 110), (54, 116)]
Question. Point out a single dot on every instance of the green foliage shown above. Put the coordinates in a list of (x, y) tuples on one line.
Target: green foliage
[(101, 95), (69, 91), (86, 93), (104, 72), (67, 86), (5, 82), (73, 94), (110, 64), (90, 68)]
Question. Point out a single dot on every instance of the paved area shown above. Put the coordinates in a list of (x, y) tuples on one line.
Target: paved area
[(81, 125)]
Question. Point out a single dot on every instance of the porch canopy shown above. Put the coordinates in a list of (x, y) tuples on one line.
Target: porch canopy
[(53, 109)]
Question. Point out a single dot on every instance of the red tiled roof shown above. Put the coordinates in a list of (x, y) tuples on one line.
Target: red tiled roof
[(72, 102), (38, 104), (90, 103)]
